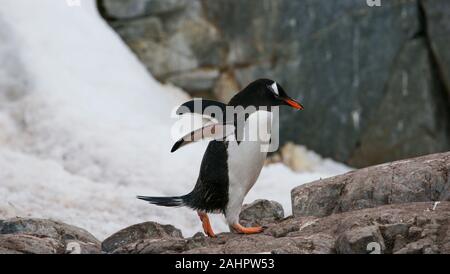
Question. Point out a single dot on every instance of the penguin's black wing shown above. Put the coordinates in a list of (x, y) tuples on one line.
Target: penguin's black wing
[(216, 131), (209, 108)]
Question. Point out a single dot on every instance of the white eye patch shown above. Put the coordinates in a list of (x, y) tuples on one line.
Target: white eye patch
[(275, 88)]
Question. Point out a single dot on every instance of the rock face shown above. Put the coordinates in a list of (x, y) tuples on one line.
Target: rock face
[(39, 236), (377, 80), (437, 17), (415, 180)]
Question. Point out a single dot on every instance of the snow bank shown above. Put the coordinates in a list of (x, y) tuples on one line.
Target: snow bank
[(84, 128)]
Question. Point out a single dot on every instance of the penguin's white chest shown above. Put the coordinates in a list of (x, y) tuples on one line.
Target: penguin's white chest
[(246, 159)]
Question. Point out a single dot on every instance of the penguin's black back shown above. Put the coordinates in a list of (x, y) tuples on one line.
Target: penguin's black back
[(210, 193)]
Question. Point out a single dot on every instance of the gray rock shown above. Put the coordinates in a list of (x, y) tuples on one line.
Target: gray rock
[(437, 17), (173, 40), (46, 228), (416, 247), (347, 61), (153, 246), (226, 87), (45, 236), (414, 180), (196, 81), (416, 128), (394, 235), (129, 9), (359, 240), (124, 9), (414, 232), (139, 232), (391, 231), (399, 243), (261, 212)]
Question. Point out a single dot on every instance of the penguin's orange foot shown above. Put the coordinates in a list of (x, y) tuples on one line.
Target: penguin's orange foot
[(247, 230), (206, 224)]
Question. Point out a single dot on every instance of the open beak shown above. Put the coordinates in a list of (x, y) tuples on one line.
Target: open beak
[(293, 103)]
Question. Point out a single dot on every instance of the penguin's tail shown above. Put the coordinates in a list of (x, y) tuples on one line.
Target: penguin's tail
[(164, 201)]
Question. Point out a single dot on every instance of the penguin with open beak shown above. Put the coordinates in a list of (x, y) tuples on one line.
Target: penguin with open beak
[(230, 165)]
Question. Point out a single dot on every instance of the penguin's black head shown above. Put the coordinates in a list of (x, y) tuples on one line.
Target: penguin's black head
[(264, 93)]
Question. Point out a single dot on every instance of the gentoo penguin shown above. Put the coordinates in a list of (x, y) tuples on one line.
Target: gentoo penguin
[(230, 165)]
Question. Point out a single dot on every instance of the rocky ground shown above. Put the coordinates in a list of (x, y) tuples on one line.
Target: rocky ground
[(400, 207)]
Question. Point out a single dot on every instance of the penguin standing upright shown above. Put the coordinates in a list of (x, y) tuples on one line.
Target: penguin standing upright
[(230, 165)]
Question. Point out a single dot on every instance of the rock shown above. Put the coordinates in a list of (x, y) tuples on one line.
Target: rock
[(394, 235), (414, 84), (261, 212), (226, 87), (414, 232), (153, 246), (314, 244), (172, 39), (196, 81), (27, 244), (359, 240), (129, 9), (45, 236), (399, 243), (416, 247), (350, 64), (437, 17), (349, 232), (414, 180), (120, 9), (139, 232)]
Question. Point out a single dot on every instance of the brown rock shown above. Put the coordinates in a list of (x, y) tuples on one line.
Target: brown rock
[(359, 241), (415, 180), (139, 232), (21, 235), (261, 212)]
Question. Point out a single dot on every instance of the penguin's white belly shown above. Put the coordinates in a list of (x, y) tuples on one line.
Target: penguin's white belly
[(245, 161)]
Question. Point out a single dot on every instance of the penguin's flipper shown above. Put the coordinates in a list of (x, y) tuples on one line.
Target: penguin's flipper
[(216, 131), (208, 108)]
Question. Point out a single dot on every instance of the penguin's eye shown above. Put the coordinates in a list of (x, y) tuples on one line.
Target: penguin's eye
[(274, 89)]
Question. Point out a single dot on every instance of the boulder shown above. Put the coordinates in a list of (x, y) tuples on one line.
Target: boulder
[(24, 235), (414, 180), (361, 240), (261, 212), (147, 231)]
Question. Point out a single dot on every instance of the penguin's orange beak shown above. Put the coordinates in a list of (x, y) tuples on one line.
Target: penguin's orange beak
[(293, 103)]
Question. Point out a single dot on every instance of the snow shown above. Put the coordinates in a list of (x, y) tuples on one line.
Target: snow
[(84, 128)]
